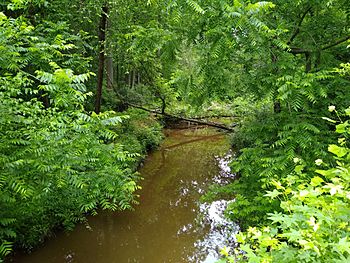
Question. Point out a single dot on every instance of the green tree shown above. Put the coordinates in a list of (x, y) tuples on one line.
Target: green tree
[(57, 162)]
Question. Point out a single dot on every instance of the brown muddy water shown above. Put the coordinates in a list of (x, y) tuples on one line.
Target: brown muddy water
[(169, 224)]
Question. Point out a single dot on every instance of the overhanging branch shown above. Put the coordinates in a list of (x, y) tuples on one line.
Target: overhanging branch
[(297, 29), (339, 41), (297, 50)]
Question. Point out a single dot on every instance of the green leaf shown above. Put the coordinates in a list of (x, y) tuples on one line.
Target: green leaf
[(337, 150), (347, 111), (341, 128), (273, 194), (343, 245), (299, 168), (316, 181)]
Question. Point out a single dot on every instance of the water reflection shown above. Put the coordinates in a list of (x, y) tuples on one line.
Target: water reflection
[(221, 232), (169, 225)]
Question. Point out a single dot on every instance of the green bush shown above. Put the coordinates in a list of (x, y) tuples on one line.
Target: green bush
[(57, 163), (313, 222), (140, 132)]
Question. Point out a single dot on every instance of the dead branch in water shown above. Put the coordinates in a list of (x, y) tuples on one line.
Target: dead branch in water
[(208, 123)]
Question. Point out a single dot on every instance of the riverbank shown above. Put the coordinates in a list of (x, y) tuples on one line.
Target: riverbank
[(169, 224), (58, 209)]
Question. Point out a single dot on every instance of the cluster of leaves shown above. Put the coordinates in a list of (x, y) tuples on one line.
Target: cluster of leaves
[(159, 56), (278, 145), (235, 48), (209, 64), (269, 142), (140, 133), (313, 222), (279, 183), (57, 162)]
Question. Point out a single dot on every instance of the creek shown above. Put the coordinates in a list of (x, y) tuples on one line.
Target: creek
[(169, 224)]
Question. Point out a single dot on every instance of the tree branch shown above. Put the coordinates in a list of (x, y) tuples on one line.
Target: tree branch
[(193, 120), (297, 29), (339, 41), (296, 50), (208, 123)]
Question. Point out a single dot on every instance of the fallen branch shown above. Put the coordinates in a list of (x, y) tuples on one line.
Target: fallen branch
[(214, 116), (208, 123), (212, 124)]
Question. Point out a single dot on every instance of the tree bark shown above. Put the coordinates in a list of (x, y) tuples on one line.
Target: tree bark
[(308, 62), (297, 50), (277, 106), (133, 79), (110, 72), (297, 29), (101, 59), (339, 41), (276, 102), (45, 99)]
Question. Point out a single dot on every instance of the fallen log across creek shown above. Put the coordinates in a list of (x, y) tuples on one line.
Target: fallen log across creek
[(208, 123)]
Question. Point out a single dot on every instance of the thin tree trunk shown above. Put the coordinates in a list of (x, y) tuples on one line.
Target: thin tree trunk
[(129, 79), (101, 59), (133, 79), (117, 77), (276, 102), (277, 106), (318, 60), (308, 61), (163, 104), (138, 78), (110, 72), (45, 99)]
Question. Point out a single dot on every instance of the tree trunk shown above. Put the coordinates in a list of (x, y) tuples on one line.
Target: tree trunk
[(163, 104), (110, 72), (129, 79), (45, 99), (138, 78), (276, 102), (117, 77), (101, 59), (133, 79), (318, 60), (277, 106), (308, 61)]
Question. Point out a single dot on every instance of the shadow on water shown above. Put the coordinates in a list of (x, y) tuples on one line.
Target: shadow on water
[(169, 224)]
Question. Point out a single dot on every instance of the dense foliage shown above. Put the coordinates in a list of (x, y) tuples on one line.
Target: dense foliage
[(281, 66), (312, 222), (57, 162)]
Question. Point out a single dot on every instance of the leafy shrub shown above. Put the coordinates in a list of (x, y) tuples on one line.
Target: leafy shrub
[(313, 222), (140, 131), (271, 143), (293, 194), (57, 162)]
